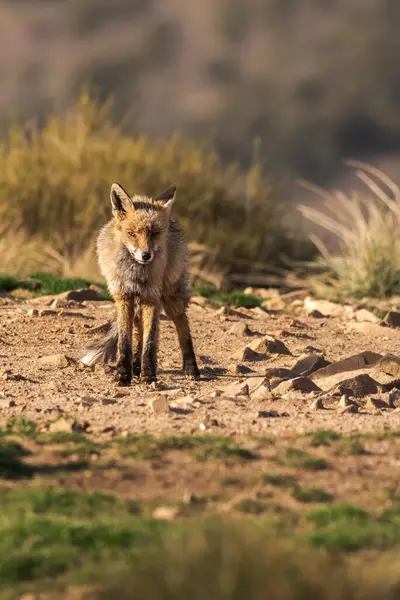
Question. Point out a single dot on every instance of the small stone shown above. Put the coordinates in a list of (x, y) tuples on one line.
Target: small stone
[(248, 354), (262, 393), (236, 389), (344, 401), (268, 414), (165, 513), (90, 294), (394, 398), (299, 384), (55, 360), (240, 329), (279, 373), (366, 316), (374, 404), (392, 318), (317, 404), (235, 369), (346, 410), (62, 426), (108, 401), (53, 386), (309, 363), (159, 404), (359, 386), (199, 300), (47, 313), (269, 344), (6, 403), (33, 312)]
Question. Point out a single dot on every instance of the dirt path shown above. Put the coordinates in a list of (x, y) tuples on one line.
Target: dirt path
[(31, 388)]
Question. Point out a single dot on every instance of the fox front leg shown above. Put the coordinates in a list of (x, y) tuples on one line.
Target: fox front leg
[(124, 349), (150, 329)]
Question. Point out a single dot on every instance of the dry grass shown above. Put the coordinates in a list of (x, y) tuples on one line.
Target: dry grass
[(367, 229), (54, 193)]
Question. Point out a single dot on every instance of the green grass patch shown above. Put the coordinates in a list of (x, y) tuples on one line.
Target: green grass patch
[(250, 506), (201, 447), (323, 437), (300, 459), (282, 481), (43, 284), (350, 528), (350, 447), (310, 495), (237, 299)]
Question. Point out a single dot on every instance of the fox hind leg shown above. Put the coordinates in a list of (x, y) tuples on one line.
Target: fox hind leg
[(175, 309)]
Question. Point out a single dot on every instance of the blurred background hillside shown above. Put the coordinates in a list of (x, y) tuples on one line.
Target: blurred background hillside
[(315, 80), (236, 100)]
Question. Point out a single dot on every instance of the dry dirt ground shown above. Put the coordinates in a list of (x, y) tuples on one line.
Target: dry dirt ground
[(187, 448), (33, 389)]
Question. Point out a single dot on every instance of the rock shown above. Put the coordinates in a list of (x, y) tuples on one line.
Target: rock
[(331, 375), (254, 383), (317, 404), (373, 404), (199, 300), (90, 294), (285, 300), (394, 398), (33, 312), (346, 410), (159, 404), (238, 369), (74, 313), (108, 401), (299, 384), (366, 316), (387, 370), (53, 386), (165, 513), (62, 426), (359, 386), (262, 393), (268, 414), (309, 363), (247, 354), (55, 360), (392, 318), (269, 344), (236, 389), (7, 403), (344, 401), (240, 329), (279, 373), (327, 308), (45, 312)]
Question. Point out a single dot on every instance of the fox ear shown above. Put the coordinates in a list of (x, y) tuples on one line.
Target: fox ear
[(120, 200), (167, 198)]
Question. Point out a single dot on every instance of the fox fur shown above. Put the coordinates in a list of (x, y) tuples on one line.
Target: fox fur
[(143, 256)]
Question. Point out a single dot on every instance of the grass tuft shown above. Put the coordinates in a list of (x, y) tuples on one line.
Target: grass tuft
[(366, 229)]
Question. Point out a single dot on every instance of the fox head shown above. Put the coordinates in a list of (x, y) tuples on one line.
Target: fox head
[(142, 221)]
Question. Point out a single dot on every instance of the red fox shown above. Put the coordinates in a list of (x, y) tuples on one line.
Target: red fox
[(143, 257)]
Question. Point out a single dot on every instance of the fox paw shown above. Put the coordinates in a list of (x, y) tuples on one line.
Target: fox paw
[(122, 378), (191, 371)]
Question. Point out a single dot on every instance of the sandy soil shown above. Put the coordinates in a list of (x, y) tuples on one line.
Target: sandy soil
[(31, 388)]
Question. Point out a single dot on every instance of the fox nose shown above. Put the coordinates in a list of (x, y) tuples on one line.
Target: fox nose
[(146, 256)]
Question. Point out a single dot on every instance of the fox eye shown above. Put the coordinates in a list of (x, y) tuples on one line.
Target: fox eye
[(155, 233), (131, 233)]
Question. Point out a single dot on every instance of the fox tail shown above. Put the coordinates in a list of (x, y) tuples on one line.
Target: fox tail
[(103, 351)]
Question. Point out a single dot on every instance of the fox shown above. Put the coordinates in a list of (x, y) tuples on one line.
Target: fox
[(143, 257)]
